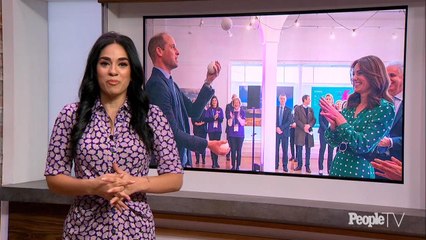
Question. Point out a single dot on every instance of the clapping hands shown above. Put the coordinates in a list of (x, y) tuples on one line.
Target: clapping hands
[(333, 116)]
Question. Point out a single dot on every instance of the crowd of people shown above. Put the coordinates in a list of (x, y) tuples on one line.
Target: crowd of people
[(210, 124), (101, 147)]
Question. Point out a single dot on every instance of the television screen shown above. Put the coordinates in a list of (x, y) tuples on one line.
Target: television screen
[(292, 59)]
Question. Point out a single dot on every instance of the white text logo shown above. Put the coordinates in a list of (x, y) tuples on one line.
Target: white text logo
[(374, 219)]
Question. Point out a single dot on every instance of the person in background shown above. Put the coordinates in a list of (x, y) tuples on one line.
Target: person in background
[(305, 120), (323, 144), (339, 105), (214, 117), (165, 93), (236, 124), (283, 122), (392, 144), (292, 145), (101, 146), (363, 123), (199, 128), (228, 109)]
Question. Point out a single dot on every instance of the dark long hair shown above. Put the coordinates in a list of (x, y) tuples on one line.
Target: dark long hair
[(217, 100), (375, 72), (90, 91)]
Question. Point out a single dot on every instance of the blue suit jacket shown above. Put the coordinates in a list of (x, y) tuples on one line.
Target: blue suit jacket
[(160, 94), (324, 124), (286, 121), (396, 133)]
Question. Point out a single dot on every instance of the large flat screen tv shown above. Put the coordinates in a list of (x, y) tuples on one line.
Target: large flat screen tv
[(267, 55)]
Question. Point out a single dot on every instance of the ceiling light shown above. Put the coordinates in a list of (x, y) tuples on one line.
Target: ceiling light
[(226, 23)]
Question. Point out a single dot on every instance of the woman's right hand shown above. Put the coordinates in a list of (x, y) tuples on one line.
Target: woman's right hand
[(112, 187), (334, 117)]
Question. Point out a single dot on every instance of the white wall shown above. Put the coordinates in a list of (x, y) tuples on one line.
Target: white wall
[(73, 28), (25, 67), (45, 49)]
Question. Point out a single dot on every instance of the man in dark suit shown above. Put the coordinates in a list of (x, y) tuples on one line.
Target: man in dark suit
[(284, 120), (177, 107), (228, 110), (305, 120), (392, 144)]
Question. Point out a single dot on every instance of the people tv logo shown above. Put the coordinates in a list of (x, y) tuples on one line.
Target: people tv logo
[(379, 219)]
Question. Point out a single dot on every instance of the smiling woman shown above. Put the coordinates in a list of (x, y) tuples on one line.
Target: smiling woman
[(109, 137), (113, 76), (363, 123)]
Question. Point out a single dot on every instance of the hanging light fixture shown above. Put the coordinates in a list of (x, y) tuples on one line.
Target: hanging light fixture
[(226, 23), (297, 22)]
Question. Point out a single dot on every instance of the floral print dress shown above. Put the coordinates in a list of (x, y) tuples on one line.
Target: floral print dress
[(92, 217)]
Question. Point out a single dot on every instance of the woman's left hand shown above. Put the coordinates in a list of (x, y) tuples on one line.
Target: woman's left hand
[(331, 114), (121, 191)]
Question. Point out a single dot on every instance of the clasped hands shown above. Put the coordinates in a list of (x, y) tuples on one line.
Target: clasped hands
[(306, 128), (385, 142), (333, 116), (115, 187)]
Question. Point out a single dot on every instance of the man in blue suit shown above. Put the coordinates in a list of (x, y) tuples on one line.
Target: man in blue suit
[(389, 158), (177, 107), (284, 119), (393, 143)]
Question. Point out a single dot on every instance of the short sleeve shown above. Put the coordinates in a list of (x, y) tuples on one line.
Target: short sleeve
[(58, 160), (165, 150)]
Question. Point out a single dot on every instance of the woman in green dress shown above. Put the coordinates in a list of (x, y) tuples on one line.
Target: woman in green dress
[(368, 117)]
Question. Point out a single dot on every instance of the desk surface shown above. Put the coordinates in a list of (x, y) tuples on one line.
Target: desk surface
[(253, 208)]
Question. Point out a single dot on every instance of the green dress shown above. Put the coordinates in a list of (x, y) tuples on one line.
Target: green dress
[(360, 135)]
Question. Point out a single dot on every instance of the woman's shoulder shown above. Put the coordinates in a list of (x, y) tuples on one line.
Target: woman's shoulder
[(385, 104), (67, 113), (385, 108), (69, 109)]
